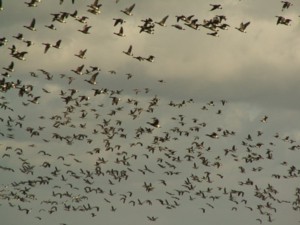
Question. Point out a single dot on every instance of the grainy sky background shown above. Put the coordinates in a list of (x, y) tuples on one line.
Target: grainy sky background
[(256, 72)]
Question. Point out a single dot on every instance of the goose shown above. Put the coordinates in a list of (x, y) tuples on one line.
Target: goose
[(3, 41), (95, 5), (282, 20), (85, 29), (94, 11), (150, 58), (31, 26), (224, 26), (35, 100), (82, 19), (51, 26), (118, 21), (129, 51), (215, 6), (20, 55), (154, 123), (120, 33), (81, 54), (47, 46), (78, 70), (32, 3), (28, 43), (286, 5), (177, 26), (92, 80), (19, 36), (213, 135), (57, 44), (10, 68), (128, 11), (193, 24), (1, 6), (163, 21), (140, 58), (242, 27), (264, 119), (215, 34)]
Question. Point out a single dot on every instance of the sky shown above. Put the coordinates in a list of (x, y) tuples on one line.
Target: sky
[(100, 159)]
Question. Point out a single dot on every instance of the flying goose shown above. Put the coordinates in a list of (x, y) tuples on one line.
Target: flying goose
[(286, 5), (47, 46), (1, 6), (120, 33), (19, 36), (3, 41), (51, 26), (32, 3), (154, 123), (243, 27), (31, 26), (282, 20), (57, 44), (177, 26), (82, 19), (163, 21), (92, 80), (20, 55), (81, 54), (215, 6), (129, 51), (215, 34), (128, 10), (150, 58), (10, 68), (78, 70), (118, 21), (85, 29)]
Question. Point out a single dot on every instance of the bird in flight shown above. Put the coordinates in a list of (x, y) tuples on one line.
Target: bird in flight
[(243, 26), (128, 11)]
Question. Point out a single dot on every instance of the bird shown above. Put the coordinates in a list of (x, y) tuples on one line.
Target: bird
[(242, 27), (163, 21), (1, 5), (78, 70), (10, 68), (118, 21), (51, 26), (215, 34), (47, 46), (154, 123), (31, 26), (92, 80), (57, 44), (150, 58), (215, 6), (177, 26), (120, 33), (85, 29), (129, 51), (286, 5), (81, 54), (128, 11)]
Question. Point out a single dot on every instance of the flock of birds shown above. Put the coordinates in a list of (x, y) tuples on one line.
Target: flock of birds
[(131, 152)]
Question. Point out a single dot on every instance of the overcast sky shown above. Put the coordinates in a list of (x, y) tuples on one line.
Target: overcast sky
[(256, 73)]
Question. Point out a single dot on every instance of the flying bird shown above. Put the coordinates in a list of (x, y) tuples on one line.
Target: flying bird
[(128, 11), (31, 26), (154, 123), (163, 21), (215, 6), (129, 51), (120, 33), (242, 27)]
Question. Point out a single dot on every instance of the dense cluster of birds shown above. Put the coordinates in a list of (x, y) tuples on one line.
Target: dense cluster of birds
[(126, 139)]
